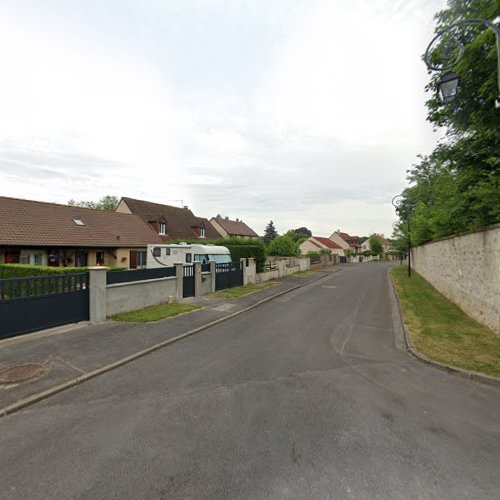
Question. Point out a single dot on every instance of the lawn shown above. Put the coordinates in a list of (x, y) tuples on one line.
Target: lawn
[(154, 313), (442, 331), (240, 291)]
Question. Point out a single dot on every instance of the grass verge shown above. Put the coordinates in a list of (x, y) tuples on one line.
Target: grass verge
[(442, 331), (240, 291), (154, 313)]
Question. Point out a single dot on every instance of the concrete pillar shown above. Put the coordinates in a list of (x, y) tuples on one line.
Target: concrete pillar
[(281, 266), (304, 263), (243, 264), (97, 294), (179, 274), (324, 260), (197, 278), (212, 272), (251, 271)]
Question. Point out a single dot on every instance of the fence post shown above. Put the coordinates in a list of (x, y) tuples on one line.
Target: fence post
[(97, 293), (212, 272), (243, 264), (251, 271), (197, 278), (281, 265), (179, 274)]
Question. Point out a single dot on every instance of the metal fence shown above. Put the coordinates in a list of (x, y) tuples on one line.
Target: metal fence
[(32, 286), (139, 275)]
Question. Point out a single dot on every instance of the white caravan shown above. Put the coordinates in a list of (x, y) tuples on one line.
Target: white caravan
[(168, 255)]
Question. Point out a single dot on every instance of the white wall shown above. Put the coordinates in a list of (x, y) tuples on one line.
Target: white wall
[(466, 269)]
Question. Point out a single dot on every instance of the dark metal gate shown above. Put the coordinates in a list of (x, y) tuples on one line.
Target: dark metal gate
[(228, 275), (188, 282), (35, 303)]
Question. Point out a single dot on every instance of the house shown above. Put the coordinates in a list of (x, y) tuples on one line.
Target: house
[(317, 243), (386, 244), (346, 241), (235, 228), (34, 232), (169, 223)]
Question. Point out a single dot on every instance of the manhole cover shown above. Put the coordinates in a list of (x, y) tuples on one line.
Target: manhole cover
[(21, 372)]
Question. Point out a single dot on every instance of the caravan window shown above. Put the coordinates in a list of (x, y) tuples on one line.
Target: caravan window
[(156, 252), (203, 258), (167, 251)]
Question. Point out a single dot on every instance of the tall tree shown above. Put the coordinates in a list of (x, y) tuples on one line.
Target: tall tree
[(376, 244), (270, 233), (457, 187)]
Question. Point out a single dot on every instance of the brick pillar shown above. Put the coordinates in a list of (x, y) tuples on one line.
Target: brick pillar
[(97, 294)]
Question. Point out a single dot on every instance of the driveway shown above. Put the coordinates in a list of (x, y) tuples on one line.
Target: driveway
[(303, 397)]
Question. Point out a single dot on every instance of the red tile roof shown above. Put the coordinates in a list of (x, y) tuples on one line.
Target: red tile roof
[(353, 241), (35, 223), (327, 242)]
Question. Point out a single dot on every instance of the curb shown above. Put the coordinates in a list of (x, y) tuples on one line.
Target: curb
[(23, 403), (461, 372)]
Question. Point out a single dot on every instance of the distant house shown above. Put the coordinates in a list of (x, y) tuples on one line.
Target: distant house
[(346, 241), (317, 243), (39, 233), (386, 244), (169, 223), (236, 228)]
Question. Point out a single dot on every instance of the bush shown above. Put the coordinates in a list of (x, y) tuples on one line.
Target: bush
[(313, 253), (27, 270), (282, 246)]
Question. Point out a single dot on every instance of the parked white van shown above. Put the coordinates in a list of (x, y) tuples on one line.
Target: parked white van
[(168, 255)]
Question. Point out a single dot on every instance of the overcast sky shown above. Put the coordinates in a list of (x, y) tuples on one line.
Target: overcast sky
[(306, 112)]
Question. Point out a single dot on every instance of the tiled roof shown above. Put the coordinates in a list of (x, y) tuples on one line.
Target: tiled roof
[(181, 222), (327, 242), (353, 241), (35, 223), (236, 228), (315, 243)]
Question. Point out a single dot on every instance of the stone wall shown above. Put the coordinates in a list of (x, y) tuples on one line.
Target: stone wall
[(466, 269)]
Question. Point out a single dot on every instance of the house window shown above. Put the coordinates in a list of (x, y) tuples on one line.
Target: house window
[(141, 259), (78, 221), (32, 258), (162, 228), (99, 258), (202, 232)]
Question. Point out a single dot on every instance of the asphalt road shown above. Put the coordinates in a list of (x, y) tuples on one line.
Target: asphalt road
[(304, 397)]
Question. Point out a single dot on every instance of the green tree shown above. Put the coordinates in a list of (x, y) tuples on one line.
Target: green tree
[(105, 203), (376, 245), (456, 188), (282, 246), (270, 233)]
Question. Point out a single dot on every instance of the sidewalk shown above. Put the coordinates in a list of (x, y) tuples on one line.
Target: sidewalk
[(81, 349)]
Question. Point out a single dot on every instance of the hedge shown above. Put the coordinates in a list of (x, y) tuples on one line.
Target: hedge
[(27, 270)]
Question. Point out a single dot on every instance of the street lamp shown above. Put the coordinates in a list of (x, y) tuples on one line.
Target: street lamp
[(448, 83), (397, 204)]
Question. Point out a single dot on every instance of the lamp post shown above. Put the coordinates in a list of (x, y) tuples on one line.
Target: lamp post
[(448, 83), (397, 204)]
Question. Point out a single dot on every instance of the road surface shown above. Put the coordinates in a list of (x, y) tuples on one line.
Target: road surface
[(304, 397)]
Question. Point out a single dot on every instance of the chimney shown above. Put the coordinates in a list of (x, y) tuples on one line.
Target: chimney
[(227, 218), (186, 207), (237, 220)]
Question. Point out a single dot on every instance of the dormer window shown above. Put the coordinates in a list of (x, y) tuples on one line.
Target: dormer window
[(162, 227), (78, 221), (202, 232)]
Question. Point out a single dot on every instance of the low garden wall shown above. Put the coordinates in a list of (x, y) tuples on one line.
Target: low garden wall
[(466, 269)]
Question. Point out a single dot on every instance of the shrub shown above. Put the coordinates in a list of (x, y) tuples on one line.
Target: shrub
[(27, 270), (282, 246)]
